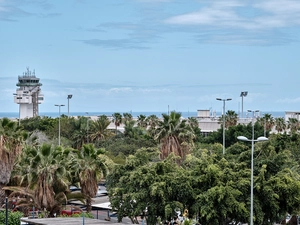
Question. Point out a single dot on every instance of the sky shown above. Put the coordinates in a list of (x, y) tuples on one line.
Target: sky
[(153, 55)]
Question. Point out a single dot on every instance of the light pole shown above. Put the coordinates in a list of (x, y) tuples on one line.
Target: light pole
[(224, 100), (59, 123), (243, 94), (243, 138), (87, 128), (69, 97)]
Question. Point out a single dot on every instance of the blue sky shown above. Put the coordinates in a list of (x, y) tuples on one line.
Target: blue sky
[(153, 55)]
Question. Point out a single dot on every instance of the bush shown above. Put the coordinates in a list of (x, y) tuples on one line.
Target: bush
[(86, 215), (13, 218)]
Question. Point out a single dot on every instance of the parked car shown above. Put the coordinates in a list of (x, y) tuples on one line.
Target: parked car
[(74, 188), (101, 191)]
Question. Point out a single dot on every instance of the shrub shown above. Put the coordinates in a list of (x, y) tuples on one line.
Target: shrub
[(13, 218)]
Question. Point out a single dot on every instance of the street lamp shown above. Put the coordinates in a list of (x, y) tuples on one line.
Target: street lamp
[(69, 97), (224, 100), (87, 128), (243, 94), (243, 138), (59, 123)]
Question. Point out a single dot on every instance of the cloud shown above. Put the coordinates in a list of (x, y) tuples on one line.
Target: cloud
[(11, 10), (115, 43), (289, 100), (246, 23)]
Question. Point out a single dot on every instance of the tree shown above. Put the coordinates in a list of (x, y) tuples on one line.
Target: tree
[(175, 135), (80, 133), (132, 131), (141, 187), (267, 121), (127, 117), (280, 124), (90, 166), (293, 125), (117, 120), (11, 143), (98, 129), (42, 169), (141, 121), (231, 118), (152, 122)]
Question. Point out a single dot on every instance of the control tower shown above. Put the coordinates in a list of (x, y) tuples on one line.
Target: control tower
[(28, 95)]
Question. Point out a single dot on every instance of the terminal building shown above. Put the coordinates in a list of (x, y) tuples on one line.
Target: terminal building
[(28, 95)]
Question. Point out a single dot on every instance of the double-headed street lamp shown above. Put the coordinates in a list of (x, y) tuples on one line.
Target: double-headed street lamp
[(243, 138), (59, 123), (224, 100)]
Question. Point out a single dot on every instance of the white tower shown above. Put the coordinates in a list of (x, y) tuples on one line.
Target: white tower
[(28, 95)]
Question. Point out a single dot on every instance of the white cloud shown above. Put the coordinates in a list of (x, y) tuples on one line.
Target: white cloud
[(118, 90), (288, 100), (265, 14)]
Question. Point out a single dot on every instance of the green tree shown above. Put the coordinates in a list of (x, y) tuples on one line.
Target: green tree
[(152, 122), (267, 121), (141, 121), (117, 120), (90, 166), (141, 187), (231, 118), (280, 124), (42, 169), (175, 135), (11, 143), (293, 125), (80, 132), (99, 129), (127, 117)]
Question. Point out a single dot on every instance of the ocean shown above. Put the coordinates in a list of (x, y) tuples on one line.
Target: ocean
[(13, 115)]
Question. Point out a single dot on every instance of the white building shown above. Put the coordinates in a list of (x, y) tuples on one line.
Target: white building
[(28, 95)]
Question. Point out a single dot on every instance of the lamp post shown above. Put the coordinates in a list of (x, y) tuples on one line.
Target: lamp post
[(69, 97), (243, 94), (224, 100), (87, 128), (59, 123), (259, 139)]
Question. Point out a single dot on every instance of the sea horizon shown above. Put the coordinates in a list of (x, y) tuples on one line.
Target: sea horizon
[(15, 115)]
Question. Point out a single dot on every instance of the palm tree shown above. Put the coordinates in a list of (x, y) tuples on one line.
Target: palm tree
[(80, 134), (267, 121), (280, 124), (90, 166), (42, 169), (231, 118), (127, 117), (175, 135), (11, 143), (141, 121), (152, 122), (117, 120), (193, 122), (99, 129), (293, 124)]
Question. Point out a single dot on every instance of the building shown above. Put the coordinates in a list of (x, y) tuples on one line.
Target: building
[(28, 95)]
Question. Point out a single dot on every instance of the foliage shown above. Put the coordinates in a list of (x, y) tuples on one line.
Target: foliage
[(125, 145), (13, 217), (12, 139), (86, 215), (42, 169), (175, 135), (90, 166)]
